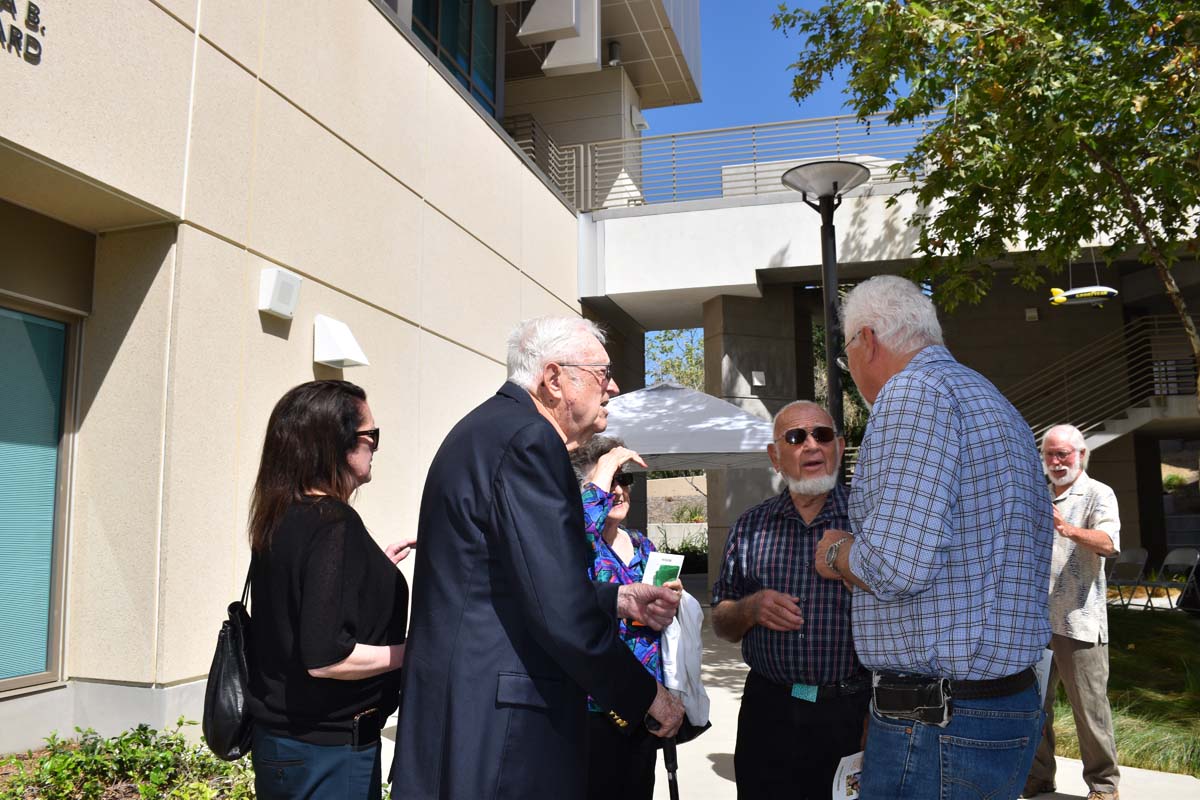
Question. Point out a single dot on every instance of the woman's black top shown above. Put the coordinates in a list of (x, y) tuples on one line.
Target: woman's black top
[(323, 586)]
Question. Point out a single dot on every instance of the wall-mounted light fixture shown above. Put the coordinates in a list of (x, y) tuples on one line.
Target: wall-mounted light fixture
[(334, 344), (637, 120), (278, 292), (614, 53)]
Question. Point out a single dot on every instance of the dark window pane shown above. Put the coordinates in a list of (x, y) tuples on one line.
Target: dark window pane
[(454, 35), (426, 13), (483, 48)]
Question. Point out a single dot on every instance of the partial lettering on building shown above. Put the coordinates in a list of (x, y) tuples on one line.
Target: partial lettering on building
[(21, 34)]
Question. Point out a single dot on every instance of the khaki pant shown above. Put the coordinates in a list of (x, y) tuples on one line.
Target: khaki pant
[(1083, 669)]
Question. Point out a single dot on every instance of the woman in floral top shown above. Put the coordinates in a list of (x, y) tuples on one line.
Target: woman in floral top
[(621, 761)]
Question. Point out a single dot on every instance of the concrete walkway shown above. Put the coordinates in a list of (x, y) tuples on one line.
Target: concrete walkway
[(706, 764)]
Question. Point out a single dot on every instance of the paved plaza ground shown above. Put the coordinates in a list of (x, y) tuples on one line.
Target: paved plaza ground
[(706, 764)]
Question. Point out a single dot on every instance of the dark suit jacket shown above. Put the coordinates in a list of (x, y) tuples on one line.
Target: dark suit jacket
[(507, 635)]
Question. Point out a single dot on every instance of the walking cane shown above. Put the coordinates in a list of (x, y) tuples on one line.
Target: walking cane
[(671, 760)]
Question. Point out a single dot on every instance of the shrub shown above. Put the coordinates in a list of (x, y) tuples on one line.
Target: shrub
[(139, 763), (694, 549), (689, 512), (1174, 484)]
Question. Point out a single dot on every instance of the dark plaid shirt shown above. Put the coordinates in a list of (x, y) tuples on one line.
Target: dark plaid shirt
[(771, 547)]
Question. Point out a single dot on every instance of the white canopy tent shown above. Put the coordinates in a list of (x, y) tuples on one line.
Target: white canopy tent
[(674, 427)]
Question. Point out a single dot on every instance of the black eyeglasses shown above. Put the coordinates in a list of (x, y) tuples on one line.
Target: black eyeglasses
[(604, 377), (623, 479), (841, 360), (373, 435), (821, 433)]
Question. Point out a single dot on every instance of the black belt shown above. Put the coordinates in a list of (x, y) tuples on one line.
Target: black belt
[(928, 699), (963, 689), (855, 684)]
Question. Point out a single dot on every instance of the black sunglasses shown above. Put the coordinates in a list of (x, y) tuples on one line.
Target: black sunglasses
[(821, 433), (373, 435), (623, 479)]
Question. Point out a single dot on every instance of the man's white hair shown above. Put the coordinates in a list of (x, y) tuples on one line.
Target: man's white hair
[(1074, 437), (902, 317), (536, 342)]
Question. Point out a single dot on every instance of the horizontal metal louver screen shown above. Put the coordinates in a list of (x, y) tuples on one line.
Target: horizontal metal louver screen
[(32, 350)]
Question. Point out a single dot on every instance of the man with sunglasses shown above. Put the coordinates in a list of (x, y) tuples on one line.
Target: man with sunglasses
[(951, 548), (806, 695)]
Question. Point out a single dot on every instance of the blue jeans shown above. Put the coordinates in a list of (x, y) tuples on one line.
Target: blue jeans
[(983, 754), (289, 769)]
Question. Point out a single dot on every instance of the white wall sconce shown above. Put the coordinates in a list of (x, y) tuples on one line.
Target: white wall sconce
[(636, 119), (278, 292), (334, 344)]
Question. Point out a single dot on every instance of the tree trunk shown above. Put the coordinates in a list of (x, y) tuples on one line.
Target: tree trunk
[(1176, 297)]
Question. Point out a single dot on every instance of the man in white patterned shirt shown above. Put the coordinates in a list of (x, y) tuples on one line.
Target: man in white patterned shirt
[(1088, 531)]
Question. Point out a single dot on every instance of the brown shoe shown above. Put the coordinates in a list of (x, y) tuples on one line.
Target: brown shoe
[(1114, 795), (1034, 788)]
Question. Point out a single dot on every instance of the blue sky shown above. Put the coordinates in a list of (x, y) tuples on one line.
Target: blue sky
[(745, 77)]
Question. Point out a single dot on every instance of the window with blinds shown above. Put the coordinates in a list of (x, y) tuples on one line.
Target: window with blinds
[(32, 358)]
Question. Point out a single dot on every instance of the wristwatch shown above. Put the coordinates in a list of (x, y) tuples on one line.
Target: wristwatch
[(832, 553)]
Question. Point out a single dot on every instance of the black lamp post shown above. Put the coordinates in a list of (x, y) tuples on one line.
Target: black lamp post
[(828, 181)]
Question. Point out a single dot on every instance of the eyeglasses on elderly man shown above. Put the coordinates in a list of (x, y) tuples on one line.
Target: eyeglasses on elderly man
[(823, 434)]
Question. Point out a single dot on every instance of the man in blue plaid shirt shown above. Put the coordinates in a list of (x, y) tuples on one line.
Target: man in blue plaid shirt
[(806, 695), (951, 554)]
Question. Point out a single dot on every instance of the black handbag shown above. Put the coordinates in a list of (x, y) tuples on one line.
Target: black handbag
[(227, 723)]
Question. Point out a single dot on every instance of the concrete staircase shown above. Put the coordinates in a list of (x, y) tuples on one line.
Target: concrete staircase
[(1142, 374), (1162, 408)]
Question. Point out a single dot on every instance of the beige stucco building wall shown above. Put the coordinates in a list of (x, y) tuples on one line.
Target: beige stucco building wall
[(192, 145)]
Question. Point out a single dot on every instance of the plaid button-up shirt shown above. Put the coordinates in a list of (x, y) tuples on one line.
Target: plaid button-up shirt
[(953, 528), (771, 547)]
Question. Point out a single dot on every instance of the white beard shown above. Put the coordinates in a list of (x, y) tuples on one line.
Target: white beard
[(811, 487), (1066, 478)]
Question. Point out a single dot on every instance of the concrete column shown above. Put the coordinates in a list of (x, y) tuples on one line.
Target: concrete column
[(742, 336), (627, 348), (1116, 464)]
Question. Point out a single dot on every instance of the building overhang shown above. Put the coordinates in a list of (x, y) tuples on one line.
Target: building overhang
[(656, 41)]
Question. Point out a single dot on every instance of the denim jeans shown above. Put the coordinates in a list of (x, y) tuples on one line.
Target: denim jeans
[(983, 754), (289, 769)]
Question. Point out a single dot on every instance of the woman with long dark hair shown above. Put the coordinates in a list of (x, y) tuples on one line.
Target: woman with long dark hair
[(329, 606)]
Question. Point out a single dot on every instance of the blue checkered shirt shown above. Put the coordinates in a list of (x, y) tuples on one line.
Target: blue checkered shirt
[(953, 528), (771, 547)]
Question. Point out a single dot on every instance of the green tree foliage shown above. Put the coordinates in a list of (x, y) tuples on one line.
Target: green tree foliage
[(676, 356), (1065, 122)]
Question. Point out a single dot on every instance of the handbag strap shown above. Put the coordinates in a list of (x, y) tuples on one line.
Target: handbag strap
[(246, 587)]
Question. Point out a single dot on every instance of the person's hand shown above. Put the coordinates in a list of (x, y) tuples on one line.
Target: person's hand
[(1063, 527), (399, 550), (667, 709), (832, 535), (776, 610), (650, 605), (610, 462)]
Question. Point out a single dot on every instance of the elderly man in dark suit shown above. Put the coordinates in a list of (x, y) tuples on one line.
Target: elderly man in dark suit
[(508, 637)]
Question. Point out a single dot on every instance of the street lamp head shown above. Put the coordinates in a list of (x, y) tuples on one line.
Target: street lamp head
[(825, 178)]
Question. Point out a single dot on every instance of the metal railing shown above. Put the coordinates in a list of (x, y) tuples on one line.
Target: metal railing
[(1148, 357), (746, 160), (558, 163)]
